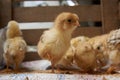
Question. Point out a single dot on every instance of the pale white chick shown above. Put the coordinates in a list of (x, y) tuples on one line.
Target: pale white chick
[(99, 44), (15, 46), (74, 42), (55, 42), (67, 61), (85, 57)]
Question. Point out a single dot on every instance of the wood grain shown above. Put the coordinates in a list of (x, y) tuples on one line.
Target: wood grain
[(6, 12), (88, 31), (48, 14), (32, 36), (31, 56), (110, 15)]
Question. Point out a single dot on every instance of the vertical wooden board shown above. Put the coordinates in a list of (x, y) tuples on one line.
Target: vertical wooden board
[(0, 12), (6, 12), (109, 9), (119, 10)]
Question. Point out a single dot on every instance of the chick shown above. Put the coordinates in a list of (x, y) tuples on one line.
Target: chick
[(85, 57), (113, 43), (99, 44), (74, 42), (14, 46), (114, 60), (54, 42), (67, 61)]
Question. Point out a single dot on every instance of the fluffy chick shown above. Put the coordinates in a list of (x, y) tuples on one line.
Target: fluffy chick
[(113, 43), (99, 44), (67, 60), (15, 46), (74, 42), (54, 42), (85, 57)]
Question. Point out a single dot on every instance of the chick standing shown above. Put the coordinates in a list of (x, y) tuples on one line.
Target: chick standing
[(15, 46), (54, 42)]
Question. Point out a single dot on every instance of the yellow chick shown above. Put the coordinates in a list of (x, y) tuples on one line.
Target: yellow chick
[(99, 44), (15, 46), (54, 42), (85, 57), (67, 60)]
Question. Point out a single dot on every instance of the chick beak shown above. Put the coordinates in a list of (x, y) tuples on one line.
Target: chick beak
[(77, 24)]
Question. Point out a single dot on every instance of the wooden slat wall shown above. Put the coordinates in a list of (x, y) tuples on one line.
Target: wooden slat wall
[(0, 12), (48, 14), (32, 36), (88, 31), (30, 56), (119, 12), (6, 12), (110, 14), (42, 14)]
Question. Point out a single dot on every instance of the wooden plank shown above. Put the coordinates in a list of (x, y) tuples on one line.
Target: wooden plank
[(110, 14), (47, 14), (87, 31), (119, 11), (32, 36), (6, 10), (0, 13), (31, 56)]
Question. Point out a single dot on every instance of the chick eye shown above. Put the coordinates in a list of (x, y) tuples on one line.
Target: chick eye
[(98, 47), (69, 20)]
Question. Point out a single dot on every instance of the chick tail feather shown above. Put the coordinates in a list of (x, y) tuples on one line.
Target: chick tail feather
[(13, 30)]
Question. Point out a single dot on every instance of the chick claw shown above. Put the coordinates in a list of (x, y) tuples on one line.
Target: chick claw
[(110, 69), (52, 62)]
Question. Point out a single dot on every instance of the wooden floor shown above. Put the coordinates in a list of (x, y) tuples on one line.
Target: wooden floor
[(35, 70), (48, 76)]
